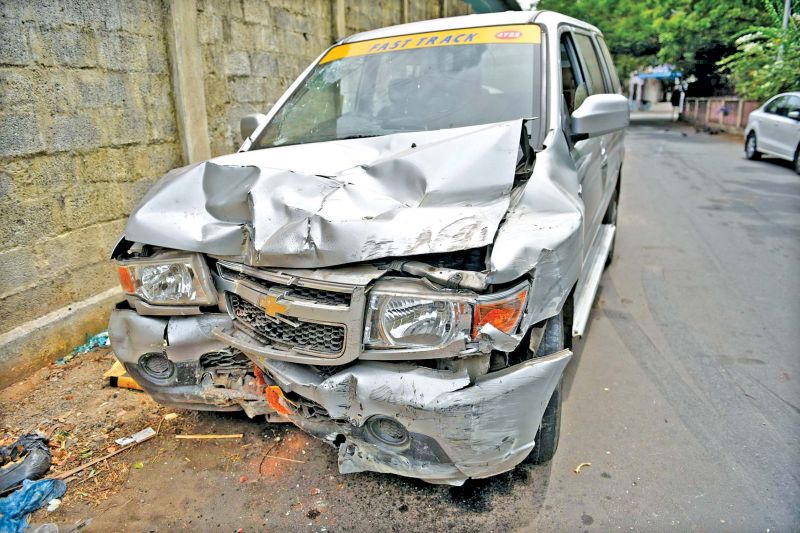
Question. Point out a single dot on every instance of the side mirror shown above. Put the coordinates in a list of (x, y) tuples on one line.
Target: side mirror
[(250, 123), (795, 114), (600, 114)]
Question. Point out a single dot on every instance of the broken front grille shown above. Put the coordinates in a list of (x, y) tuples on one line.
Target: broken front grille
[(225, 360), (307, 294), (309, 336)]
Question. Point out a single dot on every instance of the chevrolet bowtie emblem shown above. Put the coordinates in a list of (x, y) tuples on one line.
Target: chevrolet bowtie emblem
[(270, 305)]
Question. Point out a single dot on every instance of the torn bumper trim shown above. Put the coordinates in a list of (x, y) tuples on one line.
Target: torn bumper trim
[(482, 429)]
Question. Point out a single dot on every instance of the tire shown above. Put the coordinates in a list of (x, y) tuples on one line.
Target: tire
[(550, 428), (611, 218), (797, 159), (751, 147)]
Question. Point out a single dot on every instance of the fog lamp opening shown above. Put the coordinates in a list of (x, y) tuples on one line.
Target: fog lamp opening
[(387, 430), (157, 366)]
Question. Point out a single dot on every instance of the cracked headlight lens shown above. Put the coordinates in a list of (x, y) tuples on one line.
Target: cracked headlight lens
[(173, 281), (395, 321)]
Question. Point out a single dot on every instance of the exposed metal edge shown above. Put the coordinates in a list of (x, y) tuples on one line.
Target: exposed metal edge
[(587, 286)]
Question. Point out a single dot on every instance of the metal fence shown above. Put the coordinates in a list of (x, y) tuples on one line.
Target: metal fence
[(726, 113)]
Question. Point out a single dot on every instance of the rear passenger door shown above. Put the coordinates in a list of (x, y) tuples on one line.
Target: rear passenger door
[(786, 128)]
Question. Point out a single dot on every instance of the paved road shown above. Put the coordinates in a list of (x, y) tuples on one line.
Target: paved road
[(683, 395)]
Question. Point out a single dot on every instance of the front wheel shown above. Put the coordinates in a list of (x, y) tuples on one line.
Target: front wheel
[(751, 148), (550, 427), (797, 159)]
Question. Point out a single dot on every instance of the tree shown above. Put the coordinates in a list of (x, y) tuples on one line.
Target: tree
[(693, 35), (767, 60)]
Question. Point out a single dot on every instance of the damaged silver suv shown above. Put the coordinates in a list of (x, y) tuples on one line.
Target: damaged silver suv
[(399, 255)]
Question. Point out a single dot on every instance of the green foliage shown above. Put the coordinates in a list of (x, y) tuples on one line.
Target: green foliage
[(691, 34), (767, 60)]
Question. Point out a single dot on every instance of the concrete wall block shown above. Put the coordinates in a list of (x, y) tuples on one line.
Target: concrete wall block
[(101, 89), (237, 63), (156, 51), (66, 46), (19, 134), (18, 85), (144, 17), (92, 13), (157, 160), (243, 34), (73, 132), (39, 176), (57, 257), (18, 268), (15, 46), (104, 165), (124, 126), (57, 91), (93, 203), (266, 39), (161, 126), (119, 51), (264, 64), (247, 89), (257, 11), (25, 221)]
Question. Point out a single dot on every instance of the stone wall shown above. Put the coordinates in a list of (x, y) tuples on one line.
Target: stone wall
[(88, 122)]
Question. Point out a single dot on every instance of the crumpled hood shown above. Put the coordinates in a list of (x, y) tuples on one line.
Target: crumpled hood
[(337, 202)]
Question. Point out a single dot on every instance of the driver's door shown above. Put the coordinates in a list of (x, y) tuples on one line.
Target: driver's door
[(587, 153)]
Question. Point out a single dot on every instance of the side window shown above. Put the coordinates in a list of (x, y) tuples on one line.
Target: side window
[(612, 71), (793, 105), (593, 70), (572, 86), (775, 106)]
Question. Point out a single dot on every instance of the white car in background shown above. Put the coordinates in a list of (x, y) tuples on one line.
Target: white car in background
[(774, 129)]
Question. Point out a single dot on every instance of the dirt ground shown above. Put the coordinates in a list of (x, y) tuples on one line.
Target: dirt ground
[(274, 478)]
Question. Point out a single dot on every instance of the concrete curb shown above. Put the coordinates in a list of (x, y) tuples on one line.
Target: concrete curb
[(29, 347)]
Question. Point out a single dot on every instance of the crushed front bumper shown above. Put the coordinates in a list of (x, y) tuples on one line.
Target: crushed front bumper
[(456, 428)]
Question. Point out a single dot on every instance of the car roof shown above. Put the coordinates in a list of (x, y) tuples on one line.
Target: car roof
[(470, 21)]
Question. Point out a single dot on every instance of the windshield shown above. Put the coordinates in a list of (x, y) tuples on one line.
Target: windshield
[(414, 82)]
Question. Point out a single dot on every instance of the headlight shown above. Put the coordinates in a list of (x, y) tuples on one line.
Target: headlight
[(409, 321), (165, 280), (431, 320)]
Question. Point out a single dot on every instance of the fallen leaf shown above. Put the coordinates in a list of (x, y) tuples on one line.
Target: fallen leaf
[(578, 468)]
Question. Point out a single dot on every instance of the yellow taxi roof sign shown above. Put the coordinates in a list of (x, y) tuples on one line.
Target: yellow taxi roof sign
[(510, 34)]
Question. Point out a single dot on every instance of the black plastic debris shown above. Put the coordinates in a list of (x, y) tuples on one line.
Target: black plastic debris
[(28, 458)]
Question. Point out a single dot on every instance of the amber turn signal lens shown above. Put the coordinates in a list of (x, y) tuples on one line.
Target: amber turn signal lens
[(125, 280), (503, 314)]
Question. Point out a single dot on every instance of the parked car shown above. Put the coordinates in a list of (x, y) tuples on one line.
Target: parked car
[(400, 253), (774, 129)]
